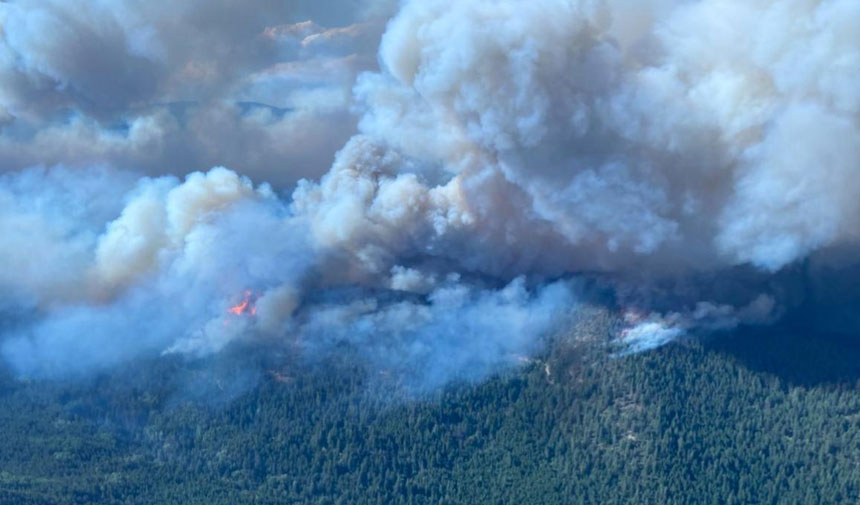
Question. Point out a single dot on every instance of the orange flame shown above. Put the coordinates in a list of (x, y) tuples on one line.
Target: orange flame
[(246, 306)]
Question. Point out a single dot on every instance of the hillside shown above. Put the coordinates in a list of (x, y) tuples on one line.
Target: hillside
[(716, 423)]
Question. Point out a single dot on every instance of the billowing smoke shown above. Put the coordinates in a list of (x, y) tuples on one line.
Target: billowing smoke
[(192, 266), (163, 87), (699, 158)]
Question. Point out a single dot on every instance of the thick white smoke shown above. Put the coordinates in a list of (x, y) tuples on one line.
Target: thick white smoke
[(191, 266), (500, 139), (724, 132)]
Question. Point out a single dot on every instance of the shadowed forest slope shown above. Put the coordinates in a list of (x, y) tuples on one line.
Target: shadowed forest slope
[(689, 423)]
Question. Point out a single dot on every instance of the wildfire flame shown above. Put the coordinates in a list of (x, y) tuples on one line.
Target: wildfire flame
[(246, 306)]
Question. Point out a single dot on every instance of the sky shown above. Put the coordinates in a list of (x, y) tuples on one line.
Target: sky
[(434, 186)]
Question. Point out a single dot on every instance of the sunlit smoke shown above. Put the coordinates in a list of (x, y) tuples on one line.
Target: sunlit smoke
[(505, 151)]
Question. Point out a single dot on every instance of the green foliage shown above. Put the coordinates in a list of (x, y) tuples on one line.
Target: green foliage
[(681, 425)]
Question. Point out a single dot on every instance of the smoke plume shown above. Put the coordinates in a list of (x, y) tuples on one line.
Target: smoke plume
[(699, 158)]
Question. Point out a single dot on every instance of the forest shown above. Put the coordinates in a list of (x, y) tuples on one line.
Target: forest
[(748, 418)]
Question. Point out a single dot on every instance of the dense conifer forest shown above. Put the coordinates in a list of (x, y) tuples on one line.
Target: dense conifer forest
[(741, 419)]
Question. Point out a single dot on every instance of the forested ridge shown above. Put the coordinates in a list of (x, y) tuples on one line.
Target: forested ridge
[(740, 419)]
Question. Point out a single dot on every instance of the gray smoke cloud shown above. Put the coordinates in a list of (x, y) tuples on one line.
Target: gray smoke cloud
[(695, 155), (165, 87)]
